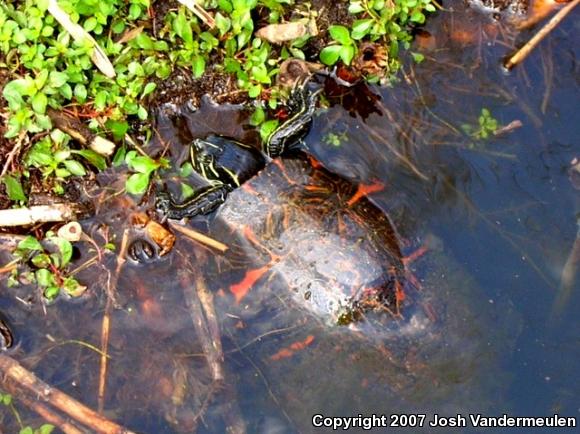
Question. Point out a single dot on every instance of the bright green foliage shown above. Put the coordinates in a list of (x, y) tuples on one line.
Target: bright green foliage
[(48, 69), (487, 126), (334, 139), (344, 48), (53, 157), (49, 260), (144, 166), (386, 22)]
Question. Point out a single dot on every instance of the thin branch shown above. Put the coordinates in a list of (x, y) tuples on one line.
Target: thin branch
[(523, 52)]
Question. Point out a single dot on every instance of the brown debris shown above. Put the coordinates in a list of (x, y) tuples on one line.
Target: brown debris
[(372, 59), (77, 130)]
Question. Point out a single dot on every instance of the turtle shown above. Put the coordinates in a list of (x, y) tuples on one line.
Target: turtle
[(338, 252)]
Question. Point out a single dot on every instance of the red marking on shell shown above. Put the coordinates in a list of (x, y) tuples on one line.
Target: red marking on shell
[(364, 190)]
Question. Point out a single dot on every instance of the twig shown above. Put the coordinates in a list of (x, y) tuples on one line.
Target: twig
[(49, 416), (76, 129), (79, 34), (569, 275), (12, 371), (523, 52), (13, 153), (199, 237), (57, 212), (199, 11), (106, 324)]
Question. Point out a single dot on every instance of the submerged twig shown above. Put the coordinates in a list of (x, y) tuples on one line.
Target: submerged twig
[(569, 274), (199, 237), (523, 52), (13, 375), (48, 415), (106, 324)]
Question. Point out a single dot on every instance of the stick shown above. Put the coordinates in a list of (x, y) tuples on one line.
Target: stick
[(568, 279), (57, 212), (199, 11), (49, 416), (11, 370), (199, 237), (79, 34), (13, 153), (523, 52), (77, 130), (106, 324)]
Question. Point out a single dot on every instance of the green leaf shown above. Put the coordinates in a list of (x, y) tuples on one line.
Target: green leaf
[(268, 128), (142, 164), (92, 157), (347, 53), (198, 66), (101, 100), (186, 191), (222, 23), (30, 243), (65, 249), (149, 87), (80, 92), (42, 260), (16, 89), (329, 55), (60, 156), (51, 292), (182, 27), (137, 183), (44, 277), (361, 28), (118, 128), (90, 24), (14, 188), (355, 7), (46, 429), (39, 102), (254, 91), (75, 168), (417, 17), (258, 117), (418, 57), (142, 113), (340, 34), (57, 79)]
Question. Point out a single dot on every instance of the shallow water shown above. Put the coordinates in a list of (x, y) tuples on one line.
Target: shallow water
[(498, 218)]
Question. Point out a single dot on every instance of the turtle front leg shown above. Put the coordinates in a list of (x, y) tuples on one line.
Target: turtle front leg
[(205, 200)]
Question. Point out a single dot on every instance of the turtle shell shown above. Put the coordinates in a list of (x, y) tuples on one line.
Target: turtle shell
[(337, 254)]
